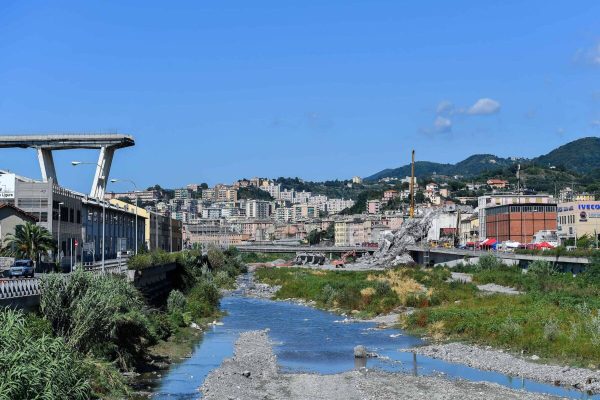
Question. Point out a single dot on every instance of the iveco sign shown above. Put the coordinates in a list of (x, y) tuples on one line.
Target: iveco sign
[(7, 186), (588, 206)]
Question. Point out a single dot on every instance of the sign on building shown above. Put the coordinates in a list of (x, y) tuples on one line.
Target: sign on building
[(7, 186)]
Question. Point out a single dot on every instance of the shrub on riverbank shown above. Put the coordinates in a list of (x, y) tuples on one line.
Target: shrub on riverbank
[(101, 315), (145, 260), (38, 366), (558, 316)]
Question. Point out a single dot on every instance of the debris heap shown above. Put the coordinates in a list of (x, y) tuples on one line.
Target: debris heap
[(393, 246)]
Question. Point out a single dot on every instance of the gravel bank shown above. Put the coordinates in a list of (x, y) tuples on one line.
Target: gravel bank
[(496, 360), (247, 286), (487, 288), (252, 374)]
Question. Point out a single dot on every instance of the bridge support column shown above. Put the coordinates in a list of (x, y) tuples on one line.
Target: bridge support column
[(102, 171), (47, 165)]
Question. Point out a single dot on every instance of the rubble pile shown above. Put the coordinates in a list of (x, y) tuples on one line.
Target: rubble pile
[(393, 247)]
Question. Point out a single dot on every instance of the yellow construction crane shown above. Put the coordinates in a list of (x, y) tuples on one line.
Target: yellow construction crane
[(412, 187)]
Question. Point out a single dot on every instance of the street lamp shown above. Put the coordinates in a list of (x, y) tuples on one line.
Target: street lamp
[(76, 163), (58, 239), (136, 207)]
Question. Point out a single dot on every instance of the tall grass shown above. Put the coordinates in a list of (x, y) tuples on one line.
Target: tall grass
[(368, 292), (38, 367), (98, 314)]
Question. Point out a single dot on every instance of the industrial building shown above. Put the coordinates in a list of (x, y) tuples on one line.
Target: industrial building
[(519, 222), (73, 219), (578, 218)]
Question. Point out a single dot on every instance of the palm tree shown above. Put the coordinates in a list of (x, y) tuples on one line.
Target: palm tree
[(29, 241)]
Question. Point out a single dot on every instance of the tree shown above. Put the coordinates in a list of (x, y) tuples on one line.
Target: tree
[(29, 241)]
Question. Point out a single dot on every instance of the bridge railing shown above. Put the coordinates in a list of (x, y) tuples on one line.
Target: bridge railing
[(19, 288)]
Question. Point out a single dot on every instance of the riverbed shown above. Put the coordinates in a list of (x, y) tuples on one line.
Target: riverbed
[(310, 340)]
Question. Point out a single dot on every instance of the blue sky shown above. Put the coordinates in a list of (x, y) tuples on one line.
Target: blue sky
[(316, 89)]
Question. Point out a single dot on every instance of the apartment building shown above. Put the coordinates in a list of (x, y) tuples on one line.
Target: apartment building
[(373, 206), (334, 206), (259, 209)]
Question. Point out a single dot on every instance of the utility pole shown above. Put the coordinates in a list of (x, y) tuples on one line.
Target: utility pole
[(412, 187)]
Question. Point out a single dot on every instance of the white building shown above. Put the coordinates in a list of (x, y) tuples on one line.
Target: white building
[(273, 190), (302, 197), (259, 209), (319, 201), (334, 206)]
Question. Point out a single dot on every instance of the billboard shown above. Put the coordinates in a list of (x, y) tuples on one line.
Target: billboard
[(7, 186)]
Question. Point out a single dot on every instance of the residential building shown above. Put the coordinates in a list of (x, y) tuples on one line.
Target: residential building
[(578, 218), (357, 180), (225, 193), (288, 195), (183, 193), (373, 206), (390, 195), (10, 217), (144, 196), (206, 235), (284, 214), (209, 194), (334, 206), (568, 195), (319, 201), (259, 209), (469, 229), (304, 211), (302, 197), (273, 189), (497, 183)]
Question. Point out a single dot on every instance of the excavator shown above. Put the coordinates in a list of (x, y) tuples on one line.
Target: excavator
[(341, 263)]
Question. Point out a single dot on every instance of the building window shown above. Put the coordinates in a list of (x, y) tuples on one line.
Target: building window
[(79, 216), (32, 202)]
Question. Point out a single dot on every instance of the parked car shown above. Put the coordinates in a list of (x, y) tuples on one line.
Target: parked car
[(24, 268)]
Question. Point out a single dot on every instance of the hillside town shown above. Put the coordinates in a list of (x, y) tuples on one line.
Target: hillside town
[(501, 217)]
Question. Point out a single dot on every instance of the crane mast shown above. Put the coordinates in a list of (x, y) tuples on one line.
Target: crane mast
[(412, 186)]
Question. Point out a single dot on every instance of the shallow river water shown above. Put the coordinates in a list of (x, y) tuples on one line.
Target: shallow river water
[(311, 340)]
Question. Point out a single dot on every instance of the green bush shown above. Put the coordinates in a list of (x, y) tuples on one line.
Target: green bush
[(203, 300), (176, 302), (99, 314), (488, 262), (541, 268), (216, 258), (35, 367)]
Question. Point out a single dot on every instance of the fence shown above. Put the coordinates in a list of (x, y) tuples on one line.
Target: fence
[(19, 288)]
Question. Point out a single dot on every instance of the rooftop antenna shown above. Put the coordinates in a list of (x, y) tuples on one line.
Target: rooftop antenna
[(412, 186)]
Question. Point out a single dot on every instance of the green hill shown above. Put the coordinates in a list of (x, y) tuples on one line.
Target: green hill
[(474, 165), (581, 155)]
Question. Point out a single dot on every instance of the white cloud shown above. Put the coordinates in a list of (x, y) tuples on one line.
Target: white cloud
[(442, 124), (589, 56), (484, 106), (444, 107)]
